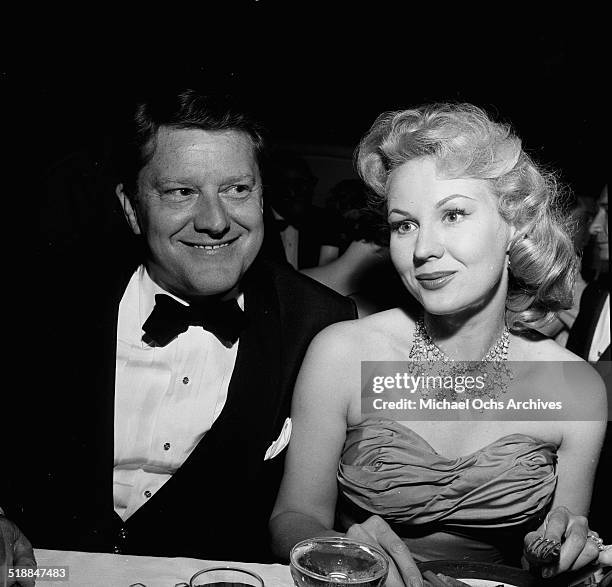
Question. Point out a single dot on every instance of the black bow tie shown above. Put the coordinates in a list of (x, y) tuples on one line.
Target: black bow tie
[(170, 318)]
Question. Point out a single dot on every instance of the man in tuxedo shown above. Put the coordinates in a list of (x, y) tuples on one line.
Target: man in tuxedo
[(589, 336), (307, 233), (158, 401)]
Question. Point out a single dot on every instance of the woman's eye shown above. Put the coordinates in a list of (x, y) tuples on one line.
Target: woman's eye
[(454, 216), (403, 226)]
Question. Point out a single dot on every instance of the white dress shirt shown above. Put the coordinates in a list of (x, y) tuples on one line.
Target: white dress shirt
[(166, 398), (601, 336)]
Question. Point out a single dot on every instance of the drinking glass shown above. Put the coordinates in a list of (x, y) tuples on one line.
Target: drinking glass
[(337, 561), (226, 577)]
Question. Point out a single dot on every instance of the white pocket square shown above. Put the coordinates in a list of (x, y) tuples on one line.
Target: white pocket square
[(281, 442)]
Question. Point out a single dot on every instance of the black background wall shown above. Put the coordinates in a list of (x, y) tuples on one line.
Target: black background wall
[(314, 74)]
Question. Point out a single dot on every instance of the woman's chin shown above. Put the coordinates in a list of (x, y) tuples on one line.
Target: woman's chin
[(454, 309), (442, 305), (438, 310)]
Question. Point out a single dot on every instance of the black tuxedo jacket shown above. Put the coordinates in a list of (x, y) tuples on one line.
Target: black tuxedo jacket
[(582, 331), (579, 341), (217, 505)]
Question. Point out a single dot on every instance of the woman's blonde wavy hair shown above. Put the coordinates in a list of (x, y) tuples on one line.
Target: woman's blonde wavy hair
[(465, 142)]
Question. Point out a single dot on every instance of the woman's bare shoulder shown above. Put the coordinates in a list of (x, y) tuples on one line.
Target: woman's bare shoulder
[(387, 324), (373, 335), (561, 371), (536, 347)]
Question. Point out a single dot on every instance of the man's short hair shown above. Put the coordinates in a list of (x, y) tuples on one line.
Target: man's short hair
[(182, 109)]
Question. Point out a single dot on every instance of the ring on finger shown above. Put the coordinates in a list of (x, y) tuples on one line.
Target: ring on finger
[(597, 540)]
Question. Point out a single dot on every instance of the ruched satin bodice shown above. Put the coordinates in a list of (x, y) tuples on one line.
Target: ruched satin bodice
[(390, 470)]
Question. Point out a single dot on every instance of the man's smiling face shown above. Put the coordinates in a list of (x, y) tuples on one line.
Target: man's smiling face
[(199, 208)]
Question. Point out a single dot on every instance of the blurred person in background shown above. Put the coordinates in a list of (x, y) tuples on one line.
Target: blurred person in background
[(598, 229), (305, 230), (580, 214), (589, 336), (363, 271)]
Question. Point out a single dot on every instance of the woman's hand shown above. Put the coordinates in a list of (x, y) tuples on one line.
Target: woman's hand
[(579, 545), (605, 556), (403, 571)]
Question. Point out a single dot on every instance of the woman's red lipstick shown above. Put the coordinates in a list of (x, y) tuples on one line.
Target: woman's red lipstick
[(435, 280)]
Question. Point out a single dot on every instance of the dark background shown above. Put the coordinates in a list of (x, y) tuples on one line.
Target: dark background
[(315, 76)]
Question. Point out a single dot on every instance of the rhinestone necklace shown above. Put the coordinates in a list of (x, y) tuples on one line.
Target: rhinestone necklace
[(492, 367), (425, 349)]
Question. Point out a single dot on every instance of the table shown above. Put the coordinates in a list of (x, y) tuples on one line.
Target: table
[(87, 569)]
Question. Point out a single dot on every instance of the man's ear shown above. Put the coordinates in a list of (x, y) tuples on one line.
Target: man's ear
[(128, 209)]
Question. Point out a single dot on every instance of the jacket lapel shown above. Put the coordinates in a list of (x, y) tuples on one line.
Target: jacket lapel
[(104, 428), (583, 329)]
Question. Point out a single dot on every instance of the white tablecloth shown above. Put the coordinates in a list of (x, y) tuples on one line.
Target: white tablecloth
[(88, 569)]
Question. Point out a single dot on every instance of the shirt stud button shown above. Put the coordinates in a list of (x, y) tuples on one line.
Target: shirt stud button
[(166, 446), (185, 380), (147, 493)]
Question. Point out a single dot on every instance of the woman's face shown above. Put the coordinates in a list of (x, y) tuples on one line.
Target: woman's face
[(448, 240)]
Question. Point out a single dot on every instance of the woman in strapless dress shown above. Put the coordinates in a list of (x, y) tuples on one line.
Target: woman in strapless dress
[(477, 238)]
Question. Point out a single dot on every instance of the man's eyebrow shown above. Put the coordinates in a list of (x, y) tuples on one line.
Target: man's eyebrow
[(229, 179), (170, 180), (234, 178)]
